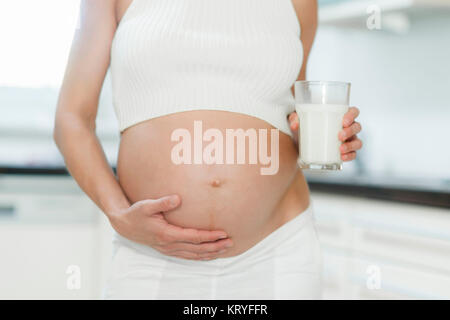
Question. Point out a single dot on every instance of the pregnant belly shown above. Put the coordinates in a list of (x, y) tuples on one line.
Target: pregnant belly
[(219, 190)]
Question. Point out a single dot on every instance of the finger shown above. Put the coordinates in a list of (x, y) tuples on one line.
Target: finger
[(293, 121), (184, 255), (163, 204), (353, 145), (293, 116), (174, 233), (353, 137), (193, 256), (206, 247), (347, 133), (350, 116), (348, 156)]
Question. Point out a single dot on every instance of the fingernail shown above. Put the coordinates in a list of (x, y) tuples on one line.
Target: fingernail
[(174, 200), (228, 245), (347, 122), (223, 237), (221, 251)]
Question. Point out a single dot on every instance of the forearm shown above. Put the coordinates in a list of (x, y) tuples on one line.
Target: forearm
[(86, 162)]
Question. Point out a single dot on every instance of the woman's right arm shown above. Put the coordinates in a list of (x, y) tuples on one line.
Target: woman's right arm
[(75, 136)]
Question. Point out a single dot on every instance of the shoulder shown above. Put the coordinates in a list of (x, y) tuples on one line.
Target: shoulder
[(306, 11)]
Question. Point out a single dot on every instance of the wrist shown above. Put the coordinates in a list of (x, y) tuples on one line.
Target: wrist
[(112, 211), (117, 219)]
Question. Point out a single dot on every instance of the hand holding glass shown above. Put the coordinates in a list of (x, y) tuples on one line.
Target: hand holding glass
[(321, 106)]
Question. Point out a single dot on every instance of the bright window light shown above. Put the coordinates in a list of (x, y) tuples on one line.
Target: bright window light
[(35, 40)]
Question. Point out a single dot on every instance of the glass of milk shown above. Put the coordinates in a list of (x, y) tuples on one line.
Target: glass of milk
[(321, 106)]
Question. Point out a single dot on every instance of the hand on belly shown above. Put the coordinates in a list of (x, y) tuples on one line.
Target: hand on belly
[(144, 223)]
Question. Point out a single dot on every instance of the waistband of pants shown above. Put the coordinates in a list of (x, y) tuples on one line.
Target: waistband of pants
[(265, 247)]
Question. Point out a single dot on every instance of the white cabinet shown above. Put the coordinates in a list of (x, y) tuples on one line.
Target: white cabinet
[(404, 248), (48, 227)]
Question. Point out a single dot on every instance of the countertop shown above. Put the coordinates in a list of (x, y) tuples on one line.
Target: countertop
[(429, 192)]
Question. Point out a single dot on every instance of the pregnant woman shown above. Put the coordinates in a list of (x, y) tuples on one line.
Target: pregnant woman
[(197, 229)]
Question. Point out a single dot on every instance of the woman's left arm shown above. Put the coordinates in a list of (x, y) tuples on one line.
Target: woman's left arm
[(306, 11)]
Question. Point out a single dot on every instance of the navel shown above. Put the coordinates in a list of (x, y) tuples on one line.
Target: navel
[(216, 183)]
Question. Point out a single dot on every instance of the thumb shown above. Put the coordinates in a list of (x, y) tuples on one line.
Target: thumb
[(164, 204), (294, 125), (294, 122)]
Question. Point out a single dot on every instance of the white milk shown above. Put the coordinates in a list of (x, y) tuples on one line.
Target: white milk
[(319, 128)]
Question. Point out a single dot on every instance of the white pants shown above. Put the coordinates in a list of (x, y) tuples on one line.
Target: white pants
[(286, 264)]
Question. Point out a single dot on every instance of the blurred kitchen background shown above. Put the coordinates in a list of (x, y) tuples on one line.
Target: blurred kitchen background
[(384, 222)]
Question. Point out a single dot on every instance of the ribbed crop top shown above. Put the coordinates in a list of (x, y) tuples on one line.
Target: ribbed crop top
[(171, 56)]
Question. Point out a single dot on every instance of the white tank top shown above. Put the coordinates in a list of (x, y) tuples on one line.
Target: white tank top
[(171, 56)]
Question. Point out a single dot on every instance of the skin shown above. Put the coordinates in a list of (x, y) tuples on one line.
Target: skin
[(146, 220)]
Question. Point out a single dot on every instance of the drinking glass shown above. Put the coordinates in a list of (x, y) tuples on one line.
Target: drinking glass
[(321, 106)]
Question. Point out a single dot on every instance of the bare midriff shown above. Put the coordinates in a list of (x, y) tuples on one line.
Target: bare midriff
[(235, 198)]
